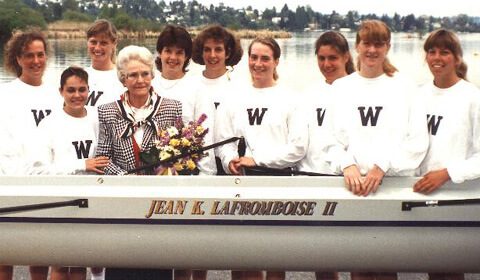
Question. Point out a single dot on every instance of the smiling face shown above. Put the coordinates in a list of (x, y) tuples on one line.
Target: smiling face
[(371, 56), (75, 94), (138, 82), (262, 65), (33, 62), (173, 59), (331, 63), (442, 63), (100, 50), (214, 56)]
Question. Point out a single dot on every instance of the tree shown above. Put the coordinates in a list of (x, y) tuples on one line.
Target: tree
[(397, 23), (352, 18), (71, 5), (15, 15), (409, 23), (301, 19)]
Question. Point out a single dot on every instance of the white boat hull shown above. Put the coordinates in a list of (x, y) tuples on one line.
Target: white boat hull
[(312, 224)]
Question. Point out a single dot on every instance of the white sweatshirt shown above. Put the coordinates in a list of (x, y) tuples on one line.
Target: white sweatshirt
[(316, 101), (186, 90), (377, 121), (104, 86), (275, 131), (65, 142), (19, 119), (453, 117)]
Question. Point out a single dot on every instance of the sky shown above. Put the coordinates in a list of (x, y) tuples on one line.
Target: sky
[(437, 8)]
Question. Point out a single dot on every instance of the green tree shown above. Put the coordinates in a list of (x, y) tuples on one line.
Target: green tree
[(409, 23), (16, 15), (71, 5), (301, 19), (351, 19), (397, 23)]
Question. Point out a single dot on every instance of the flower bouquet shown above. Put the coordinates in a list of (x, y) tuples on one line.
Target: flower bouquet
[(177, 140)]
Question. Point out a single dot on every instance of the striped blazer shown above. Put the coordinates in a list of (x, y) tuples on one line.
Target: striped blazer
[(120, 150)]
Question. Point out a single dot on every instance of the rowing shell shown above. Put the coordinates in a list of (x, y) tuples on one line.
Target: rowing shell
[(288, 223)]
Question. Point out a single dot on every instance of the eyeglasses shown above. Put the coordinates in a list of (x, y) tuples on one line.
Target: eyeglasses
[(135, 75)]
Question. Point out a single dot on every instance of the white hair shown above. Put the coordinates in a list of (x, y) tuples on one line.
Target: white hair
[(130, 53)]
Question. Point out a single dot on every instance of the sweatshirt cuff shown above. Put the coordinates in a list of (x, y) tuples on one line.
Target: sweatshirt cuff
[(455, 174)]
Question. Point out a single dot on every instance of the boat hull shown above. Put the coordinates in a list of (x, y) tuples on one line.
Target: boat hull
[(227, 223)]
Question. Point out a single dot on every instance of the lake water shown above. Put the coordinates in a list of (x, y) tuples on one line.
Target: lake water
[(298, 67)]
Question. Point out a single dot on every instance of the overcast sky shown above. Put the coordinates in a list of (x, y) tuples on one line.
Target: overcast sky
[(436, 8)]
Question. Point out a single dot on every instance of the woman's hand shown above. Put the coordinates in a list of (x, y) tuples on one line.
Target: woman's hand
[(431, 181), (235, 164), (353, 179), (93, 164), (373, 180)]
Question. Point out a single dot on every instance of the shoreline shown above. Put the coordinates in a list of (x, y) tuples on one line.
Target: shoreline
[(73, 30)]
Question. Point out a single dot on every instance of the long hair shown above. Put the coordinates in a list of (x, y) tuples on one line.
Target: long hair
[(272, 44), (442, 38), (104, 27), (17, 45), (174, 36), (337, 41), (375, 31), (233, 48)]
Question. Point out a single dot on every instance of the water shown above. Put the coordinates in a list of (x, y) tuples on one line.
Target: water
[(298, 67)]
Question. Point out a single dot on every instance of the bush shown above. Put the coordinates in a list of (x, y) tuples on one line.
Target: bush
[(70, 15)]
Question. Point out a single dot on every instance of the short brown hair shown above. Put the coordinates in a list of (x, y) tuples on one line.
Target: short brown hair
[(73, 71), (442, 38), (174, 36), (17, 45), (232, 45)]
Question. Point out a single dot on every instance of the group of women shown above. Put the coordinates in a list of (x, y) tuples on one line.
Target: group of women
[(365, 123)]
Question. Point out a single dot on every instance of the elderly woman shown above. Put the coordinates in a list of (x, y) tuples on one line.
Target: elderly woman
[(131, 124)]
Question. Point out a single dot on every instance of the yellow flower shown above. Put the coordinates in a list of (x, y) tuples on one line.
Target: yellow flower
[(172, 131), (185, 142), (199, 129), (191, 165), (178, 166), (163, 133), (174, 142), (164, 155)]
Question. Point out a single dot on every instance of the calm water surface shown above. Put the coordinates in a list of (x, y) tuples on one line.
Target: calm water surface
[(298, 67)]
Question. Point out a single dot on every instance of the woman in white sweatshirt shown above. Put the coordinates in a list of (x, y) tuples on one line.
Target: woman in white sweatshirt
[(67, 142), (377, 122), (219, 50), (334, 62), (25, 56), (68, 138), (265, 114), (453, 115), (103, 82)]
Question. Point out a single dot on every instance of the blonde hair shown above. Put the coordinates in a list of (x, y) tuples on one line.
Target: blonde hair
[(375, 31)]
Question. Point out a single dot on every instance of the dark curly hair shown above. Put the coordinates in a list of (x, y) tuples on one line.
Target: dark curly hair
[(233, 48)]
